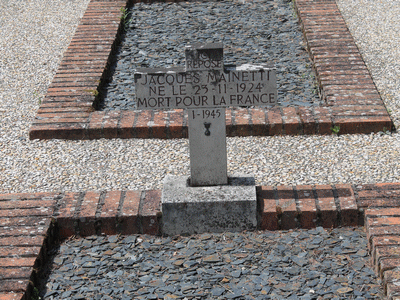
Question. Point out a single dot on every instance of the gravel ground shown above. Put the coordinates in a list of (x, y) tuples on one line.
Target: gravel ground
[(33, 36), (375, 28), (290, 265)]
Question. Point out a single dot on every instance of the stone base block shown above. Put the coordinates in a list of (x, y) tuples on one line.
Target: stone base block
[(191, 210)]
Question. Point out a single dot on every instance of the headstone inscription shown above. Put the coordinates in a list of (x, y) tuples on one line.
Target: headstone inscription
[(205, 87)]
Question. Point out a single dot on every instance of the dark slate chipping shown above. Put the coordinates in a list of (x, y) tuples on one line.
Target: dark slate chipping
[(252, 32), (250, 265)]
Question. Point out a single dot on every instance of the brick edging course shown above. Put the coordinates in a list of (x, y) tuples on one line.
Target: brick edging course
[(381, 203), (26, 233), (30, 223), (352, 100)]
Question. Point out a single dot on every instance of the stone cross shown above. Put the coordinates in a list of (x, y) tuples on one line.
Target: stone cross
[(205, 87)]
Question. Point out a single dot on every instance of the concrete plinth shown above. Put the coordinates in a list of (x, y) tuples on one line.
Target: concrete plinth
[(190, 210)]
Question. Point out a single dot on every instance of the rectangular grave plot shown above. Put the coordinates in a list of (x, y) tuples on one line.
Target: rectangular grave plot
[(349, 100), (158, 33)]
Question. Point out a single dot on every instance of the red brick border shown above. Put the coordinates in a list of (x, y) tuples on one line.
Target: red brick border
[(381, 203), (26, 232), (29, 223), (352, 100), (307, 206)]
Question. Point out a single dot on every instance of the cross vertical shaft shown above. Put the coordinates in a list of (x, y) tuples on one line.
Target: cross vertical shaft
[(207, 128)]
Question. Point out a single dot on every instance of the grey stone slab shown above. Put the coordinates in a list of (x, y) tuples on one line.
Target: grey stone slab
[(190, 210), (207, 139), (245, 85)]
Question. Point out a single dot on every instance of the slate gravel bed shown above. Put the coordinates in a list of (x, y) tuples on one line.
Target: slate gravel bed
[(300, 264), (252, 32)]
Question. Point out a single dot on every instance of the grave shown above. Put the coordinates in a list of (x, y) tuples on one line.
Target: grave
[(208, 200)]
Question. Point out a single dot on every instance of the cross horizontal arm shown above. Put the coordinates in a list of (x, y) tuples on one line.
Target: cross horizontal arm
[(247, 85)]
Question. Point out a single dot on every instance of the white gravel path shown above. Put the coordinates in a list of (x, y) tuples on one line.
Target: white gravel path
[(375, 25), (33, 36)]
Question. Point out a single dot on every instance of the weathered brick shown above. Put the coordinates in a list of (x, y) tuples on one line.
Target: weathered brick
[(95, 128), (15, 273), (17, 261), (380, 246), (14, 285), (15, 204), (230, 128), (363, 124), (11, 296), (391, 278), (379, 193), (352, 111), (22, 230), (328, 209), (287, 207), (83, 102), (110, 124), (23, 251), (142, 124), (129, 217), (382, 221), (268, 212), (307, 120), (382, 252), (369, 203), (109, 212), (126, 129), (65, 121), (66, 213), (78, 55), (89, 204), (25, 221), (334, 101), (176, 123), (392, 291), (22, 240), (21, 212), (275, 121), (382, 231), (150, 212), (45, 109), (69, 131), (159, 126), (387, 264), (87, 214), (242, 119), (348, 205), (323, 117), (259, 127), (346, 95), (383, 186), (383, 211), (291, 121), (308, 209), (29, 196), (331, 72)]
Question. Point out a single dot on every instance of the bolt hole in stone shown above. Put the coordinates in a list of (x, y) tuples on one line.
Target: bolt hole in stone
[(294, 264), (253, 32)]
